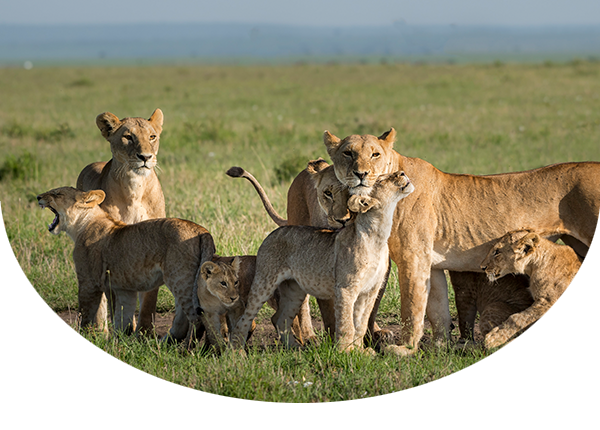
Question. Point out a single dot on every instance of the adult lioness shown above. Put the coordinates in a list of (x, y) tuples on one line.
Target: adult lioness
[(452, 219), (550, 267), (346, 265), (124, 258), (133, 191)]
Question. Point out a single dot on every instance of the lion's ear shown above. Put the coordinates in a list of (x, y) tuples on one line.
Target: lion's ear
[(331, 142), (93, 198), (156, 119), (236, 263), (317, 165), (528, 244), (389, 137), (361, 204), (108, 123), (207, 269), (313, 168)]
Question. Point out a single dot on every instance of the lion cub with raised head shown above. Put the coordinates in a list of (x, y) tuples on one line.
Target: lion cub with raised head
[(113, 256), (550, 267), (133, 191), (346, 265)]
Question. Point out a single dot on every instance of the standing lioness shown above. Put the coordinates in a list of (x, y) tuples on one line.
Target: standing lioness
[(113, 256), (346, 265), (453, 219), (133, 191)]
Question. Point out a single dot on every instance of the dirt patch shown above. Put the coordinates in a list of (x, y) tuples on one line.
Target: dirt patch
[(19, 324)]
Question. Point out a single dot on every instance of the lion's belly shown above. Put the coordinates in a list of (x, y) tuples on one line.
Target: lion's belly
[(135, 279), (320, 285)]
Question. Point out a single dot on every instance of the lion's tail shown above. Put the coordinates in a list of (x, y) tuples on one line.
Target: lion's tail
[(238, 172), (207, 251)]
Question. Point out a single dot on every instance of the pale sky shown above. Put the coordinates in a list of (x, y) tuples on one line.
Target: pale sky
[(307, 12)]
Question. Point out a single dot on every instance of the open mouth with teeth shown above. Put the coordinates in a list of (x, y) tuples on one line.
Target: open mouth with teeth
[(56, 219)]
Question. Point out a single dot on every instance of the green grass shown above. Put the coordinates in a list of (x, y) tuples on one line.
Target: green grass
[(462, 118)]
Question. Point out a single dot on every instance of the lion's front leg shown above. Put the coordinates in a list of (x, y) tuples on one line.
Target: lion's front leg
[(363, 307), (345, 298), (413, 277), (92, 306), (515, 323), (212, 323)]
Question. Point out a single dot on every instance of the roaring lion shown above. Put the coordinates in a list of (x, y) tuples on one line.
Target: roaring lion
[(133, 191), (316, 198), (453, 219), (550, 267), (346, 265), (111, 256)]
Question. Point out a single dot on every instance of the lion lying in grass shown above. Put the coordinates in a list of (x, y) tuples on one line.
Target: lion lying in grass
[(550, 267), (495, 302), (346, 265), (113, 256)]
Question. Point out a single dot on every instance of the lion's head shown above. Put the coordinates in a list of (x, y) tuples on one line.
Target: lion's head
[(331, 194), (221, 281), (68, 204), (133, 141), (511, 254), (359, 159)]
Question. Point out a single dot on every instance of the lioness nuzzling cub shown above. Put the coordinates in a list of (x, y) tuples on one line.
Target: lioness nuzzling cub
[(550, 267), (127, 258), (346, 265)]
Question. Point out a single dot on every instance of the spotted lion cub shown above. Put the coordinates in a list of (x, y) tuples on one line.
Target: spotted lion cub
[(124, 258), (550, 268), (346, 265)]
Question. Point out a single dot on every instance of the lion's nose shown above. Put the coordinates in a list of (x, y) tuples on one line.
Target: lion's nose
[(144, 157), (483, 268), (361, 175)]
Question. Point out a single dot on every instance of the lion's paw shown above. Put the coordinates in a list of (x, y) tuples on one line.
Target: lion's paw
[(493, 339), (399, 350)]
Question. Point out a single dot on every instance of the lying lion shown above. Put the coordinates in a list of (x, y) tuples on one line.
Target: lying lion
[(346, 265), (112, 256), (550, 267), (495, 302)]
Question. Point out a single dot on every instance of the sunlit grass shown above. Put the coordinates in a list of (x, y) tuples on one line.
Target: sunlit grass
[(477, 119)]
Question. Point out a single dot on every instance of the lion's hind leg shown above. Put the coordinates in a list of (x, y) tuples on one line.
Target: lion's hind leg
[(292, 296)]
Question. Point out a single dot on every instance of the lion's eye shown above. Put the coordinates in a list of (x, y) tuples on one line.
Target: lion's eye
[(223, 284), (496, 252), (328, 194), (129, 137), (152, 137), (236, 283), (347, 153), (375, 155)]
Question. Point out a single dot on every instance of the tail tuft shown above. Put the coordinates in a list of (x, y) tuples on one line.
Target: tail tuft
[(235, 172)]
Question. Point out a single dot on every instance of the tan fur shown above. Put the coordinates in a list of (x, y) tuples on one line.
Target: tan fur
[(346, 265), (550, 267), (219, 296), (494, 302), (452, 219), (318, 199), (302, 325), (133, 191), (113, 256)]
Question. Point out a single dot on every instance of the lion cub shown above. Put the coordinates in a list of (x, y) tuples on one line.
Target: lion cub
[(550, 268), (218, 298), (346, 265), (127, 258)]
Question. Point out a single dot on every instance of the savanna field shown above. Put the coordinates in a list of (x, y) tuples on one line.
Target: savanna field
[(479, 119)]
